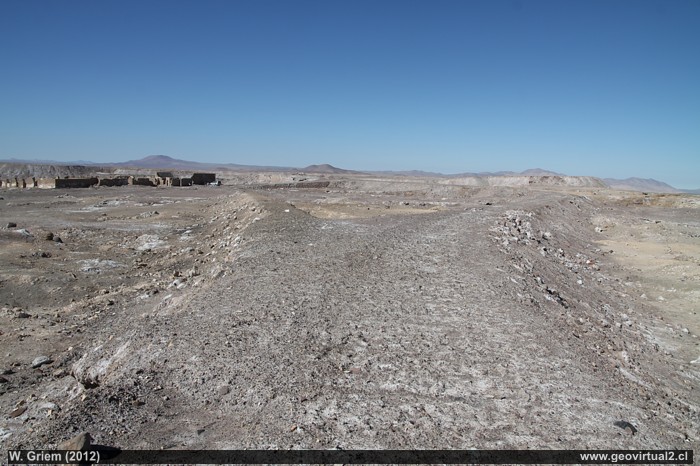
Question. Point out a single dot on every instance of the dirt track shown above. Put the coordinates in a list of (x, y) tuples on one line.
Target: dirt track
[(485, 318)]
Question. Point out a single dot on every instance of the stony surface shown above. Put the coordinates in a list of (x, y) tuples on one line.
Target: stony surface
[(347, 317)]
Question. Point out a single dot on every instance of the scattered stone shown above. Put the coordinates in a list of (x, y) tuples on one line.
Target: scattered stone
[(22, 315), (48, 406), (11, 225), (180, 283), (40, 361), (57, 239), (224, 390), (18, 411), (48, 236), (79, 442), (627, 426), (3, 380)]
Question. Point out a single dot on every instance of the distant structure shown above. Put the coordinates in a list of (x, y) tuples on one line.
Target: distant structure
[(117, 181), (76, 182), (203, 178), (160, 179)]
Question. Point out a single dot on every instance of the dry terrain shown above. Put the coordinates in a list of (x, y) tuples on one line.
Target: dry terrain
[(373, 313)]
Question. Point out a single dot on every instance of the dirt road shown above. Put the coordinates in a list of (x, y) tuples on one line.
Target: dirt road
[(461, 325)]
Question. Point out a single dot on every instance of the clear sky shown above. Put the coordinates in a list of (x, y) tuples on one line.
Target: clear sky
[(606, 88)]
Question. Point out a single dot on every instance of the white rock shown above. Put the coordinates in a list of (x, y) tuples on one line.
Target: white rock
[(40, 361)]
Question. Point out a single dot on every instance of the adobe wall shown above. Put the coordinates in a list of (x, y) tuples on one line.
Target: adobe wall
[(182, 182), (113, 181), (203, 178), (50, 183), (141, 181), (76, 182), (45, 183)]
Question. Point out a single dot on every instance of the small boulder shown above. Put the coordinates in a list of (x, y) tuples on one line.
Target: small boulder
[(40, 361), (11, 225), (223, 390), (627, 426), (79, 442), (18, 411)]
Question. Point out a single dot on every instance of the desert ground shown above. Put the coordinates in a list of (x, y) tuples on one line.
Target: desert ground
[(374, 313)]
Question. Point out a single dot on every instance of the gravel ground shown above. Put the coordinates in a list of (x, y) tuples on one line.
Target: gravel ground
[(447, 323)]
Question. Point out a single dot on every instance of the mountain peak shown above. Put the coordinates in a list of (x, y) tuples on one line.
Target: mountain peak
[(326, 168), (158, 157)]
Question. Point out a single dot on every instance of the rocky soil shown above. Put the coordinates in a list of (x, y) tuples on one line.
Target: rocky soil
[(411, 317)]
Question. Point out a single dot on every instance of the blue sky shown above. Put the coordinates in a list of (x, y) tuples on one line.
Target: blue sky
[(603, 88)]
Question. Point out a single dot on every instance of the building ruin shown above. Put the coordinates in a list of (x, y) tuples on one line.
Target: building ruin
[(160, 179)]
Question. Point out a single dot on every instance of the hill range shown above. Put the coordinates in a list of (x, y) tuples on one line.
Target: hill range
[(165, 162)]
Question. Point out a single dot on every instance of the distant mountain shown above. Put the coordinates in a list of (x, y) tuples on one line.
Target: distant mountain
[(164, 161), (47, 162), (18, 167), (529, 172), (540, 172), (326, 168), (167, 162), (418, 173), (641, 184)]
